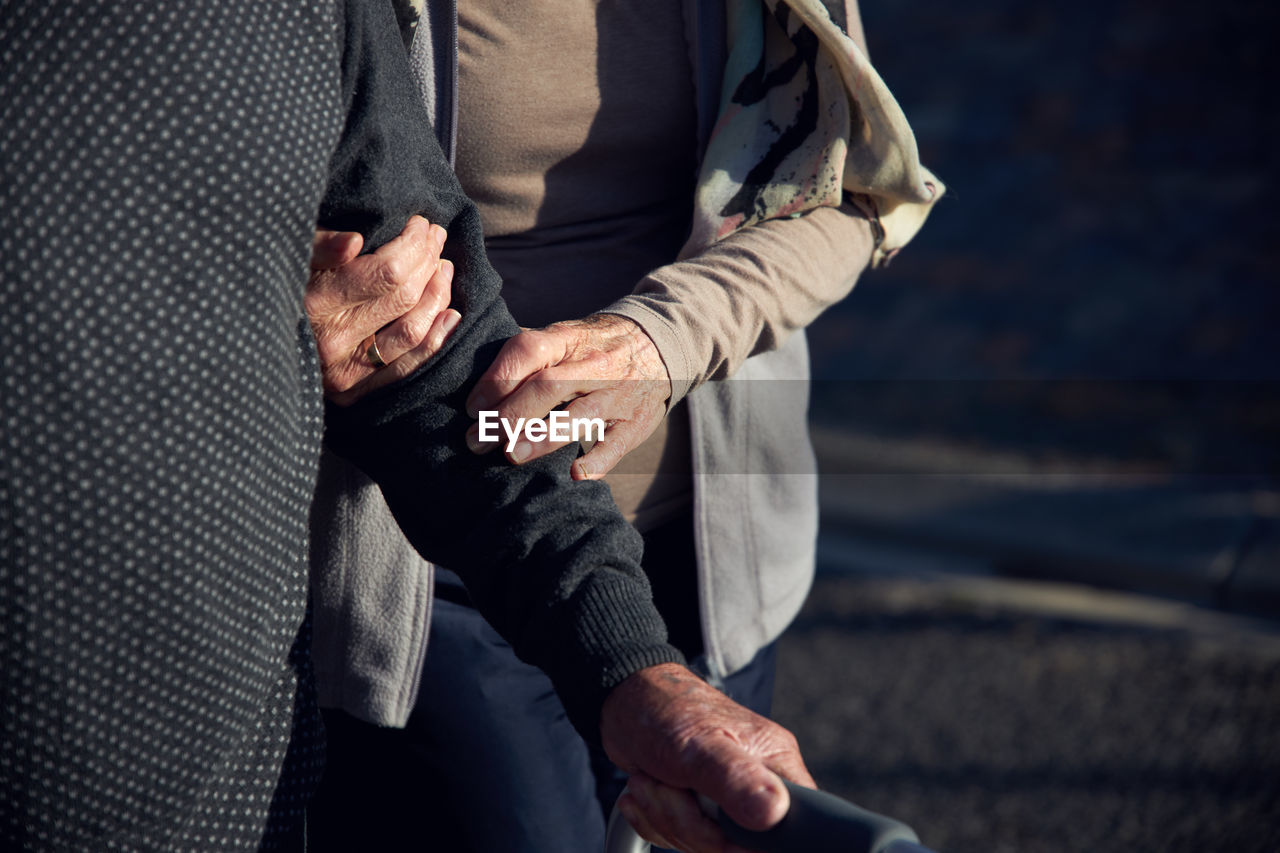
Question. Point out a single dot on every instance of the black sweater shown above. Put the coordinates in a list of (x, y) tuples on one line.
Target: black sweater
[(161, 168), (550, 562)]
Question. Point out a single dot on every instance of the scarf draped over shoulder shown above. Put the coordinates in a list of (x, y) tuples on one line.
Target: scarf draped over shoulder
[(805, 121)]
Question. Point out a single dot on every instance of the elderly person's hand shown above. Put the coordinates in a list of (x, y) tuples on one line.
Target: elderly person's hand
[(378, 317), (679, 737), (603, 366)]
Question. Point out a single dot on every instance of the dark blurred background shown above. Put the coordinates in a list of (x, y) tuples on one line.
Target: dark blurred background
[(1047, 612)]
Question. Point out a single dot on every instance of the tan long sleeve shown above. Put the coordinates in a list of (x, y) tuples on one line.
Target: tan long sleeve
[(747, 293)]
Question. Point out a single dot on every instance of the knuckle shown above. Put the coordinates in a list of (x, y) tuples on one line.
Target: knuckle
[(412, 331), (511, 409), (585, 407), (333, 348), (551, 377), (441, 282), (526, 345), (431, 301), (313, 296), (506, 372), (338, 379), (603, 451), (789, 740), (543, 346), (409, 289), (417, 246), (542, 342), (436, 334), (541, 386), (384, 274)]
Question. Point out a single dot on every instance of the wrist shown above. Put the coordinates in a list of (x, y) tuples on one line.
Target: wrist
[(624, 333), (643, 697)]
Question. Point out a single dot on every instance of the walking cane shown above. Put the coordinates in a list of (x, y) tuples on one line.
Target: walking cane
[(817, 822)]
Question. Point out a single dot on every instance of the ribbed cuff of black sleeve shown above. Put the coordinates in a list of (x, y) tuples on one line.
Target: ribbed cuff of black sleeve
[(609, 634)]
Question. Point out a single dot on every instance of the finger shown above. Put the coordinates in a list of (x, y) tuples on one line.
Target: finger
[(332, 249), (408, 331), (674, 814), (446, 321), (383, 272), (479, 447), (534, 400), (639, 820), (621, 438), (642, 826), (740, 783), (781, 754), (441, 330), (419, 333), (526, 451), (593, 405), (791, 766), (387, 285), (546, 390), (418, 242), (521, 357), (417, 237), (350, 303)]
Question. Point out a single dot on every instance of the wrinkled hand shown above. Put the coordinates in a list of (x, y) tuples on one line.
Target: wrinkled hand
[(398, 294), (603, 366), (676, 735)]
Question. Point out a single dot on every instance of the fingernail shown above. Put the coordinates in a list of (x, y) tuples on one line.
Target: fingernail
[(522, 451), (473, 440), (446, 270), (476, 445), (439, 235), (477, 404), (451, 320), (760, 804)]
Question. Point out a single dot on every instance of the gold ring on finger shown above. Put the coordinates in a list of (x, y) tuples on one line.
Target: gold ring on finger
[(371, 352)]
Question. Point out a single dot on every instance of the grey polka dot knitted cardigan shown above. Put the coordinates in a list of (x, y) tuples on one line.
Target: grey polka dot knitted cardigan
[(161, 168)]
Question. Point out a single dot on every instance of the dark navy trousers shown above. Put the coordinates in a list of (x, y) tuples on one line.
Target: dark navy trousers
[(488, 762)]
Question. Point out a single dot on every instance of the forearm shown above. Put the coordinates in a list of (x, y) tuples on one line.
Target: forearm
[(748, 292)]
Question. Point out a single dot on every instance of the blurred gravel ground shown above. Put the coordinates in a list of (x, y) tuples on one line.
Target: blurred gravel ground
[(1105, 262), (992, 727)]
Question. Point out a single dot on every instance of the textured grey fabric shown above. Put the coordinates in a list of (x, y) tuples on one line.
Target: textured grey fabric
[(160, 169), (371, 600)]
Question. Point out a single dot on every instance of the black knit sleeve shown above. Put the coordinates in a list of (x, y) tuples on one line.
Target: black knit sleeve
[(549, 562)]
